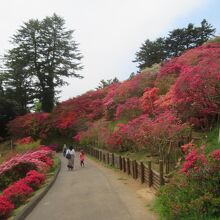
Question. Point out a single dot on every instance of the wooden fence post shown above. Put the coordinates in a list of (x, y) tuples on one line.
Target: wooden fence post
[(135, 170), (161, 173), (132, 165), (150, 174), (120, 163), (113, 159), (124, 163), (128, 166), (108, 158), (142, 172)]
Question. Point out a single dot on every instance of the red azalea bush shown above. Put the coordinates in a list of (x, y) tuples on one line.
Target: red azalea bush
[(148, 100), (6, 207), (25, 140), (130, 109), (34, 179), (27, 125), (69, 113), (194, 160), (196, 91), (96, 135), (144, 132), (215, 155), (119, 93), (14, 171), (17, 193)]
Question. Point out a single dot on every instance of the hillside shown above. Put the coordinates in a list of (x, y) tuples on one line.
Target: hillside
[(158, 106), (168, 112)]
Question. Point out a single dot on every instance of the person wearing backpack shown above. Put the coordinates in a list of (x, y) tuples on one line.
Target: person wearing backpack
[(70, 155)]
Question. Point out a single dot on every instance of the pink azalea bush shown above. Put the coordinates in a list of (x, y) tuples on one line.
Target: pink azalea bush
[(17, 167), (27, 180)]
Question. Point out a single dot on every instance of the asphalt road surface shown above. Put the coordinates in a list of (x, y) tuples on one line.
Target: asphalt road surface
[(89, 193)]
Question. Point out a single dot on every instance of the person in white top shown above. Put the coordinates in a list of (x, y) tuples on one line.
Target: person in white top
[(70, 155)]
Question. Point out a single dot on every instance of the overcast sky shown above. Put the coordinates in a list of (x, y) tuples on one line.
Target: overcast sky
[(109, 31)]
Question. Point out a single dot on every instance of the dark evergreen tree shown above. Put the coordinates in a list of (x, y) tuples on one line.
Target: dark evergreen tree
[(18, 80), (8, 111), (104, 83), (175, 44), (44, 53), (151, 52)]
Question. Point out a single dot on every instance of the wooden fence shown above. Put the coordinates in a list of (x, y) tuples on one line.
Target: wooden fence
[(138, 170)]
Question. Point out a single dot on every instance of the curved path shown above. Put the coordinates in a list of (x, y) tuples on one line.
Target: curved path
[(89, 193)]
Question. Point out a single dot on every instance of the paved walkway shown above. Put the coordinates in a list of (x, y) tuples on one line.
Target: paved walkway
[(89, 193)]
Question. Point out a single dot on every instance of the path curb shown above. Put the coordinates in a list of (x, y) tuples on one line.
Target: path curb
[(31, 205)]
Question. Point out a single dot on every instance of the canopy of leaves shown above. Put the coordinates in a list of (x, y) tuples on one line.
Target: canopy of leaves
[(177, 41), (43, 53)]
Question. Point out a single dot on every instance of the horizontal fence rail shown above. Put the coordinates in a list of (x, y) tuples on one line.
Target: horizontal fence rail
[(136, 169)]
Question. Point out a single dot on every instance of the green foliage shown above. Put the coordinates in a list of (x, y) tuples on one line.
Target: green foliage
[(58, 139), (151, 52), (104, 83), (183, 200), (165, 82), (175, 44), (194, 194), (8, 110), (43, 54), (212, 140), (215, 40), (21, 148)]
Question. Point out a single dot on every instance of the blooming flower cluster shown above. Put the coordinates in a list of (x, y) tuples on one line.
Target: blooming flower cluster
[(20, 164), (215, 155), (21, 173), (6, 207), (25, 140), (18, 192)]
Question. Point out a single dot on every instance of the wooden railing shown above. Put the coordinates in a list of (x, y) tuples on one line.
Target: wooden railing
[(136, 169)]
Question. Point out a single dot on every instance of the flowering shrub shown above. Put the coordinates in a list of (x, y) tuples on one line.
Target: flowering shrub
[(17, 167), (144, 132), (96, 135), (34, 179), (17, 193), (6, 207), (27, 125), (195, 159), (215, 155), (14, 172), (25, 140), (130, 109), (194, 192), (196, 91), (148, 100), (119, 93)]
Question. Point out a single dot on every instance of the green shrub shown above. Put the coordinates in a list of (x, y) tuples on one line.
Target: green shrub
[(193, 193)]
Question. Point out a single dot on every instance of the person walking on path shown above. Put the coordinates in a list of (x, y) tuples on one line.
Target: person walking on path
[(82, 158), (64, 150), (70, 155)]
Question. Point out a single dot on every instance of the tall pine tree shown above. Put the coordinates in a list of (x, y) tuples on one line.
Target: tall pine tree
[(44, 53)]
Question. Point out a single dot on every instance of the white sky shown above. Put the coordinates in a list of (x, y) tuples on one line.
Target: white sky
[(109, 31)]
